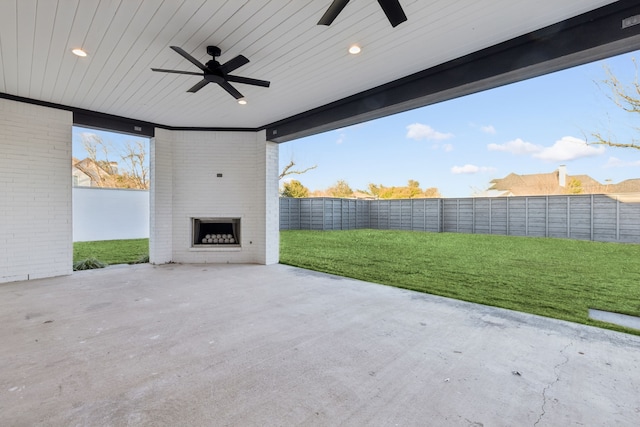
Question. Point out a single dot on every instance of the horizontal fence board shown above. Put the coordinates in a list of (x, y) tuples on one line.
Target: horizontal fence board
[(585, 217)]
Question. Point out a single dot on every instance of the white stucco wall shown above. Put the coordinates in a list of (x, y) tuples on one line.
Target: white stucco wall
[(109, 214), (35, 191), (185, 185)]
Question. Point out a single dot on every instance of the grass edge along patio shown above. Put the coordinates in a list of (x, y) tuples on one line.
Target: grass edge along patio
[(557, 278)]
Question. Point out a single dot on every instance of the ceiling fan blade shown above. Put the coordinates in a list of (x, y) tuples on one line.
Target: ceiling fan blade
[(333, 11), (248, 81), (202, 83), (232, 91), (192, 73), (394, 11), (189, 58), (233, 64)]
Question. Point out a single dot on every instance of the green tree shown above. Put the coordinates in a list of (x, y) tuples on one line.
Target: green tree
[(340, 189), (411, 191), (294, 188), (626, 97), (574, 186), (432, 192)]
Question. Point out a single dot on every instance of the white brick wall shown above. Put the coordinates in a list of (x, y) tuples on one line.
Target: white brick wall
[(185, 185), (35, 191)]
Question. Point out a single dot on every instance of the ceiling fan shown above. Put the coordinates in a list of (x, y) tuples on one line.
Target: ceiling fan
[(214, 72), (391, 8)]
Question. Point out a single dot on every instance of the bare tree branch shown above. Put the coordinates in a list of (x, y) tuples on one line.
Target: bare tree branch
[(133, 174), (100, 168), (134, 158), (626, 97), (287, 170)]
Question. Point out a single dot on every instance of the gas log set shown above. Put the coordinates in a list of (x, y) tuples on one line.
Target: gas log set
[(216, 231), (218, 238)]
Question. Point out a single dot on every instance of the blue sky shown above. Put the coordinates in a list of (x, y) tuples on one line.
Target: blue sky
[(460, 145)]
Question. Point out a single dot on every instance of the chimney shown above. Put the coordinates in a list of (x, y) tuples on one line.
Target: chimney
[(562, 176)]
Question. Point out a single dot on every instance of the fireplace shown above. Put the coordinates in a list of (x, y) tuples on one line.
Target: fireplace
[(215, 232)]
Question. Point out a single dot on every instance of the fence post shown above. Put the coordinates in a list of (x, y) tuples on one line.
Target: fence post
[(592, 217), (526, 216), (490, 216), (324, 201), (508, 222), (424, 214), (473, 216), (617, 218), (412, 210), (300, 214), (546, 217), (388, 214), (568, 217)]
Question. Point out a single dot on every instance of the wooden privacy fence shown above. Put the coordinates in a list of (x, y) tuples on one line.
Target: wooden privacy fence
[(609, 218)]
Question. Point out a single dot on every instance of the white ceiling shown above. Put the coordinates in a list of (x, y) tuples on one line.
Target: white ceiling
[(307, 64)]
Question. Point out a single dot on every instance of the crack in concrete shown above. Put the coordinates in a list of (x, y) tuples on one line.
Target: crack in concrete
[(557, 380)]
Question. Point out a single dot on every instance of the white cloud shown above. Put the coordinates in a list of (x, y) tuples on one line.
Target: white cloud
[(488, 129), (568, 148), (517, 146), (615, 162), (471, 169), (419, 131), (341, 138)]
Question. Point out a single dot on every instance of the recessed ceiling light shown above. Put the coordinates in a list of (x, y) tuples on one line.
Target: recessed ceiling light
[(242, 101), (79, 52), (354, 49)]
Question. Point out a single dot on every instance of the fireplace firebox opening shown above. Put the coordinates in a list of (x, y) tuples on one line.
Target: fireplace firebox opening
[(215, 232)]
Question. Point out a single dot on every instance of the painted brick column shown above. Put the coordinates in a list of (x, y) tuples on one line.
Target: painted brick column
[(161, 197), (272, 202)]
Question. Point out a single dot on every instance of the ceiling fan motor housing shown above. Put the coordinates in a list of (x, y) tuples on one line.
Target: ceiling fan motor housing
[(214, 67), (214, 51)]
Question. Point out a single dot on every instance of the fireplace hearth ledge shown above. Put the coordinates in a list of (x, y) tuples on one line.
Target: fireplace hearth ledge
[(219, 248)]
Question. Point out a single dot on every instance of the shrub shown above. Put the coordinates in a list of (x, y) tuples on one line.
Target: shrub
[(88, 264), (144, 259)]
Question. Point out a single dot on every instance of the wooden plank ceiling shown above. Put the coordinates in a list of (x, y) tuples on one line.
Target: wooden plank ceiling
[(307, 64)]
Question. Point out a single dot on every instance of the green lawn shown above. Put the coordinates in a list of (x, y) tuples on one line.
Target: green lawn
[(550, 277), (112, 251)]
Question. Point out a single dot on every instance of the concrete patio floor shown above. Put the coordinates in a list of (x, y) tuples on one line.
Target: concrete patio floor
[(245, 345)]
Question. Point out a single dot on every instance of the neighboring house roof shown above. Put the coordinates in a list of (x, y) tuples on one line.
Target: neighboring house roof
[(543, 184), (362, 195), (626, 186), (493, 193), (96, 172)]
